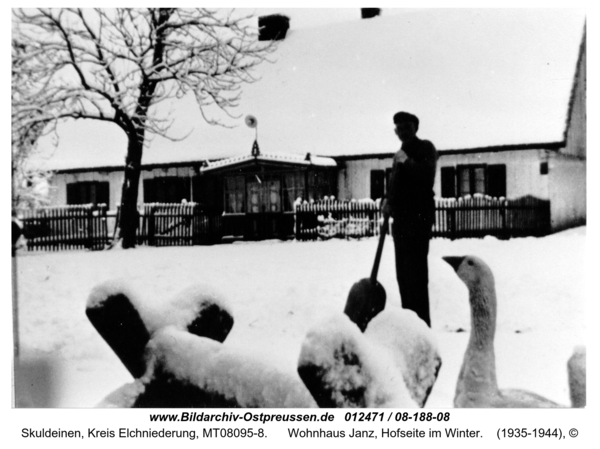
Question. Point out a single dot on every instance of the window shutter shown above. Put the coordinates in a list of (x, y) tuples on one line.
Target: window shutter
[(377, 184), (102, 193), (149, 191), (448, 182), (73, 196), (497, 180)]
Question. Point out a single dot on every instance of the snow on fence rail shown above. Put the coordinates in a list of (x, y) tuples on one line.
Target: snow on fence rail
[(85, 226), (332, 218), (65, 227), (475, 216)]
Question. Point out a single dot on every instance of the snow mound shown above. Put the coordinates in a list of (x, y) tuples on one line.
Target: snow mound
[(341, 368), (114, 287), (213, 368), (123, 397), (193, 302), (412, 346)]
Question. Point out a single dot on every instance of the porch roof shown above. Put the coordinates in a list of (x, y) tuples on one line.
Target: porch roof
[(280, 159)]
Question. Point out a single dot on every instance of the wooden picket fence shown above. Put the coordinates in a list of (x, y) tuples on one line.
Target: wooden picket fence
[(85, 226), (65, 227), (342, 219), (178, 224), (454, 218), (480, 216)]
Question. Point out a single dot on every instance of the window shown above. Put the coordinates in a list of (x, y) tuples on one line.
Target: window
[(471, 179), (88, 192), (543, 168), (206, 191), (234, 194), (170, 189), (264, 196), (320, 184), (496, 180), (448, 182), (293, 188), (377, 184)]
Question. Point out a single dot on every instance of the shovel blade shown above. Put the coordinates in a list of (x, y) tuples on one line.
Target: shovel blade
[(365, 300)]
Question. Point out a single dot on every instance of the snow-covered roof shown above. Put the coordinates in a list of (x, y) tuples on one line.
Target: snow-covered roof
[(286, 159), (475, 78)]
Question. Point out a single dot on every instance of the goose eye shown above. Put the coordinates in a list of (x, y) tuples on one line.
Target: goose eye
[(470, 262)]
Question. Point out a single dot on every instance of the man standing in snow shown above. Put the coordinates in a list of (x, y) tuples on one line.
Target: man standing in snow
[(410, 202)]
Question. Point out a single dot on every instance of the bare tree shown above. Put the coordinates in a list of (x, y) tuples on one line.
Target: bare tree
[(116, 65), (29, 185)]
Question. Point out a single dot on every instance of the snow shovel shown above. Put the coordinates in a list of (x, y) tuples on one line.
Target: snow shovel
[(367, 297)]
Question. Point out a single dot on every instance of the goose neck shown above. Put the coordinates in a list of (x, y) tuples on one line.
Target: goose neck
[(483, 314)]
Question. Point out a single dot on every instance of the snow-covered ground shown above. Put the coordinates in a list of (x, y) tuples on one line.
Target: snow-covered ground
[(279, 290)]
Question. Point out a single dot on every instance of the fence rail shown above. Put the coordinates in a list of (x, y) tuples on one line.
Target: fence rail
[(454, 218)]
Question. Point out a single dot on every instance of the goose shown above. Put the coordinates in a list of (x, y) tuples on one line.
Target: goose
[(576, 368), (477, 386)]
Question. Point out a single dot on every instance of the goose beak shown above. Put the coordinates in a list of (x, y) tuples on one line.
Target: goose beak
[(454, 261)]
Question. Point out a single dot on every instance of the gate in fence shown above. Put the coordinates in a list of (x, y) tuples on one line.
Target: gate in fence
[(178, 225), (65, 227)]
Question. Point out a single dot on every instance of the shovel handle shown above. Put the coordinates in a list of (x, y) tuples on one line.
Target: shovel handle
[(382, 233)]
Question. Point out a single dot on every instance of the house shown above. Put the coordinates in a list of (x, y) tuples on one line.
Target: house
[(500, 92)]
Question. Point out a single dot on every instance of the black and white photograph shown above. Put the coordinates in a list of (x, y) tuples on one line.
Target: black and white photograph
[(299, 208)]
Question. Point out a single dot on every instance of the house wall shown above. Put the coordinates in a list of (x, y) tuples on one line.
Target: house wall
[(567, 176), (58, 183), (564, 184), (58, 193), (567, 191), (354, 179), (522, 170)]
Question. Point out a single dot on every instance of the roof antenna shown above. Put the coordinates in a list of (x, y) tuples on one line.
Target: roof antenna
[(251, 122)]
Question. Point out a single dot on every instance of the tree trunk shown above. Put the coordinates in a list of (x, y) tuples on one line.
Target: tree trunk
[(129, 217), (136, 134)]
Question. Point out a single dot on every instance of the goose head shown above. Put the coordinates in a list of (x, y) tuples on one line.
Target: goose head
[(479, 279), (473, 271)]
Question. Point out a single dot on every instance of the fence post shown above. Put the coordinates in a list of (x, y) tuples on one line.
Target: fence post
[(297, 220), (503, 211), (104, 219), (89, 227), (547, 218), (452, 215), (150, 218)]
